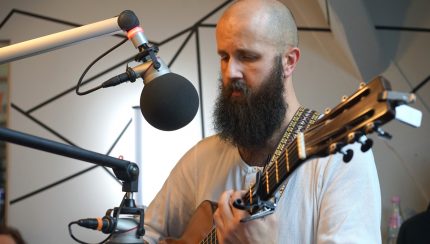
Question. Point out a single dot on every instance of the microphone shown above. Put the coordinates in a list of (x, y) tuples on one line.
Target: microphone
[(102, 224), (168, 101), (106, 224)]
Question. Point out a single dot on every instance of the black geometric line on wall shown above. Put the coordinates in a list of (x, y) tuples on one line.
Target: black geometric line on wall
[(42, 189), (43, 125), (72, 89), (402, 28), (314, 29), (181, 47), (411, 86), (67, 178), (421, 84), (37, 16)]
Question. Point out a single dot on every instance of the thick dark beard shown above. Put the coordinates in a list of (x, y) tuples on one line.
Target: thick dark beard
[(251, 120)]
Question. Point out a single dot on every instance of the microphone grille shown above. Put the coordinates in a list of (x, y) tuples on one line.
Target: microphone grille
[(169, 102)]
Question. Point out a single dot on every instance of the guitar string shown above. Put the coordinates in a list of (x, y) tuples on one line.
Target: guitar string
[(282, 171), (284, 142), (273, 170), (211, 238), (291, 147), (293, 157)]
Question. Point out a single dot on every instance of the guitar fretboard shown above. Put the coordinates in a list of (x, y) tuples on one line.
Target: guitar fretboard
[(275, 174)]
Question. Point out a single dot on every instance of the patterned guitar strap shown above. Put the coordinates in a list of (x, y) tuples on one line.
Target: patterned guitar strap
[(303, 118)]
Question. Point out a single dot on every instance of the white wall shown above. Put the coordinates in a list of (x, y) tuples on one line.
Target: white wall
[(92, 122), (400, 54), (326, 72)]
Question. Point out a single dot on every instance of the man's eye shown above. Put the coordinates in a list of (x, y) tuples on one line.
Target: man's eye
[(223, 57), (247, 57)]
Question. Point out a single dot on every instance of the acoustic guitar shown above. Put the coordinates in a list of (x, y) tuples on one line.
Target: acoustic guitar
[(362, 113)]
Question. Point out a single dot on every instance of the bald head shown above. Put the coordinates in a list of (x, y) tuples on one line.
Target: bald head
[(273, 19)]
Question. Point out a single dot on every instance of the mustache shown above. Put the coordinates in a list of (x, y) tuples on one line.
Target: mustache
[(235, 86)]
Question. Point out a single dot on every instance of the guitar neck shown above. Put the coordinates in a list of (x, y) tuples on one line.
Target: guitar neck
[(360, 114), (211, 237), (279, 168)]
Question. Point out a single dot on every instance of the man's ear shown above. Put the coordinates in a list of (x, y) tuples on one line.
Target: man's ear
[(290, 60)]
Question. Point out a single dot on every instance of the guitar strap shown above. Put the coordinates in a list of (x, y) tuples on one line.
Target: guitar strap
[(303, 118)]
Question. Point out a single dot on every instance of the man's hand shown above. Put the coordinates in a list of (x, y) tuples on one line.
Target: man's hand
[(231, 230)]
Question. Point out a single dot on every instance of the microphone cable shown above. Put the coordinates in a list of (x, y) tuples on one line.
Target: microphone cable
[(89, 67), (116, 218)]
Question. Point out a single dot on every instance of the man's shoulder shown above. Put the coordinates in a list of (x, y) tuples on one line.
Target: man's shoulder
[(212, 142), (212, 147)]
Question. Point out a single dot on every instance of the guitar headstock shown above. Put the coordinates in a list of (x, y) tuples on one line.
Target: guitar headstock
[(362, 113)]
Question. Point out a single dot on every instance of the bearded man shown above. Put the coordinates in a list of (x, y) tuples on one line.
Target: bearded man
[(257, 113)]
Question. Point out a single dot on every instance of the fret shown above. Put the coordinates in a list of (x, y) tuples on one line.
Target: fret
[(213, 234), (273, 177), (211, 237), (301, 145), (250, 195)]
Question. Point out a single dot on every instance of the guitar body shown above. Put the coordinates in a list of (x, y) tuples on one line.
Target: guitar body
[(199, 226)]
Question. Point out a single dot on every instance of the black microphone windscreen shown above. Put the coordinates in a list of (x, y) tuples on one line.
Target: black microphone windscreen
[(127, 20), (169, 102)]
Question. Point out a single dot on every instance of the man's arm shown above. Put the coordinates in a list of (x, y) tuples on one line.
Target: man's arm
[(350, 203)]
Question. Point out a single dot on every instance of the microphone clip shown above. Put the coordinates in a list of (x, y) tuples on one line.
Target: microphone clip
[(147, 53), (129, 208)]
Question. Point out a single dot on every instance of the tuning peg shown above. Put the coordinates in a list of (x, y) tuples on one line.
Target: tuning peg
[(369, 128), (362, 84), (352, 137), (327, 111), (332, 148), (344, 98), (383, 134), (366, 144), (347, 155)]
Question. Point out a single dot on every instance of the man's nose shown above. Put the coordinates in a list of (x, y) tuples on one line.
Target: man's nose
[(234, 70)]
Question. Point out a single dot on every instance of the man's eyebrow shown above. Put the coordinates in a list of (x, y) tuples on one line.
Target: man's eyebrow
[(221, 51), (247, 52)]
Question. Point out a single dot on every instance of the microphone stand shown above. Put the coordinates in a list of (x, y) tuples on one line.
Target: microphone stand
[(127, 172)]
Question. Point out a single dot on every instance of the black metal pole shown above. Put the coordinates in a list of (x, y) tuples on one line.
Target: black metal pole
[(124, 170)]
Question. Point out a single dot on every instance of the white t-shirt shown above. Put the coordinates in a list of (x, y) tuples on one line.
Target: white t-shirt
[(325, 199)]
